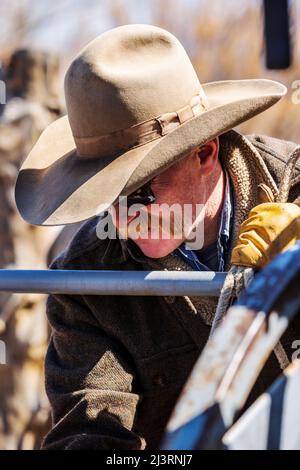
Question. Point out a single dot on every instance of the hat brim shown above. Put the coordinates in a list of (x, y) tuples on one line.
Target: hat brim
[(55, 187)]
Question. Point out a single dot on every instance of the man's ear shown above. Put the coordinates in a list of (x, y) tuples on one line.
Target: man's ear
[(208, 155)]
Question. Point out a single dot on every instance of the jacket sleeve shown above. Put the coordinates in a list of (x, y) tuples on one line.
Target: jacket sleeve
[(89, 382)]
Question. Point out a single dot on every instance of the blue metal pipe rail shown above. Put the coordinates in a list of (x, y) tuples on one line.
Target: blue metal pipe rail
[(156, 283)]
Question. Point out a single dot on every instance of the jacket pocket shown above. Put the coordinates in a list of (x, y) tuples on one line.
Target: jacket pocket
[(166, 370)]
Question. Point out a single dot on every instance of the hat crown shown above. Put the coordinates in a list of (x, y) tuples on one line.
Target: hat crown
[(126, 76)]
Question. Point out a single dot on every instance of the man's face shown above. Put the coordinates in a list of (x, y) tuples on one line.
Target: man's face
[(158, 231)]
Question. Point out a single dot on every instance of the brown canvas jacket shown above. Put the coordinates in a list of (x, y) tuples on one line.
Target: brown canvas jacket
[(116, 364)]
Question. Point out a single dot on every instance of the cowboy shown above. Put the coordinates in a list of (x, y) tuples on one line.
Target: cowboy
[(140, 124)]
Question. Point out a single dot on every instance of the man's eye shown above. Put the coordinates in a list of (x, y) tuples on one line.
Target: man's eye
[(139, 192)]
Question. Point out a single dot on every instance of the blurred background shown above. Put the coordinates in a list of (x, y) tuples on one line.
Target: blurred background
[(39, 38), (224, 39)]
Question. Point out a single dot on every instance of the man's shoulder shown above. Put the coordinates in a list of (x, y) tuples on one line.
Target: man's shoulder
[(87, 251), (275, 153), (272, 147)]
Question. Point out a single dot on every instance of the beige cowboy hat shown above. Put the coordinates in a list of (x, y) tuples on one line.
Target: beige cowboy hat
[(135, 105)]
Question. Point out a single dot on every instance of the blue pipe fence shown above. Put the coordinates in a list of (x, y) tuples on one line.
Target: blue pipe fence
[(156, 283)]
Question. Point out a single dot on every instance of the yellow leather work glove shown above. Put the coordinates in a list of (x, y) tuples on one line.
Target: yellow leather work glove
[(270, 229)]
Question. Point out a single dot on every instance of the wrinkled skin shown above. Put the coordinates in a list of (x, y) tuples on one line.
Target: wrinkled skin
[(196, 179)]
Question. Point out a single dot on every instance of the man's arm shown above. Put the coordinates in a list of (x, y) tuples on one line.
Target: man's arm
[(89, 382)]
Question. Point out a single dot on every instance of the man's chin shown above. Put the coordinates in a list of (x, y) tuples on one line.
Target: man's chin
[(157, 248)]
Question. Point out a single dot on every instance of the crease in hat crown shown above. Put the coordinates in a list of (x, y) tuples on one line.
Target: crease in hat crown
[(126, 76)]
